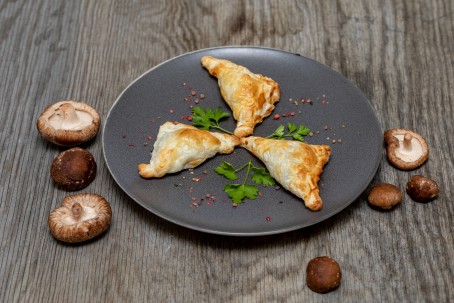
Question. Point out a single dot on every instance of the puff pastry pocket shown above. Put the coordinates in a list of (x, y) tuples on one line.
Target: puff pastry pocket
[(179, 146), (250, 96), (297, 166)]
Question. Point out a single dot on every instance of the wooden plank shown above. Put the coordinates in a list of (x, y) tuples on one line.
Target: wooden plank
[(399, 53)]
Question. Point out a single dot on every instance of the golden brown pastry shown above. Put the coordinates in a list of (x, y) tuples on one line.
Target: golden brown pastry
[(179, 146), (297, 166), (250, 96)]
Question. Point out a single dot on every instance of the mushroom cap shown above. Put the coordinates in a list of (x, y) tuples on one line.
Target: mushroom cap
[(406, 149), (80, 217), (422, 189), (385, 195), (323, 274), (68, 123), (73, 169)]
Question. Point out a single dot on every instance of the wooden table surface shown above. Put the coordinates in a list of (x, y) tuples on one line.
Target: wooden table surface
[(399, 53)]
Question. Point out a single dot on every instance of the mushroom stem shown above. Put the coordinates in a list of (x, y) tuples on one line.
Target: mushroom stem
[(68, 114), (76, 210), (407, 141)]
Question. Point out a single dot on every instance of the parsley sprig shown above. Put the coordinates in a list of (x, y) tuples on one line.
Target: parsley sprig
[(239, 191), (207, 118), (295, 132)]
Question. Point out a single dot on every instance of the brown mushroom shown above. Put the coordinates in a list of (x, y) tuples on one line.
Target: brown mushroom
[(422, 189), (80, 218), (406, 149), (68, 123), (323, 274), (73, 169), (385, 195)]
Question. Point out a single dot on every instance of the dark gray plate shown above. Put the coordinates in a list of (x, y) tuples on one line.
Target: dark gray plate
[(159, 95)]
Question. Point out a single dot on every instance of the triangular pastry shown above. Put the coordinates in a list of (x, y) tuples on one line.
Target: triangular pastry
[(250, 96), (179, 146), (297, 166)]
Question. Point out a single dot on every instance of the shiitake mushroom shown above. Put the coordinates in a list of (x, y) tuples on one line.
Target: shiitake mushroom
[(323, 274), (406, 149), (385, 196), (73, 169), (68, 123), (422, 189), (80, 217)]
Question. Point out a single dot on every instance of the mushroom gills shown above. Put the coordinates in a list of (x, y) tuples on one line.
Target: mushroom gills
[(88, 213), (410, 149), (80, 217), (70, 119)]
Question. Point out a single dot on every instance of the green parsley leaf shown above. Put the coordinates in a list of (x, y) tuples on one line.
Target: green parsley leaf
[(209, 114), (303, 131), (198, 111), (278, 133), (219, 114), (200, 119), (227, 170), (240, 191), (207, 118), (298, 137), (291, 127), (294, 132), (262, 176)]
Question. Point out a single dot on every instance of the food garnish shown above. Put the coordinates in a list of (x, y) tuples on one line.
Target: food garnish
[(207, 118), (238, 192), (295, 132)]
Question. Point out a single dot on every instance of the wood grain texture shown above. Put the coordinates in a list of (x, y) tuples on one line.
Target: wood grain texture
[(399, 53)]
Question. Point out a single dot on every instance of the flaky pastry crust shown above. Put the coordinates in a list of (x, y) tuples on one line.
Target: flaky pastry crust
[(250, 96), (179, 146), (297, 166)]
